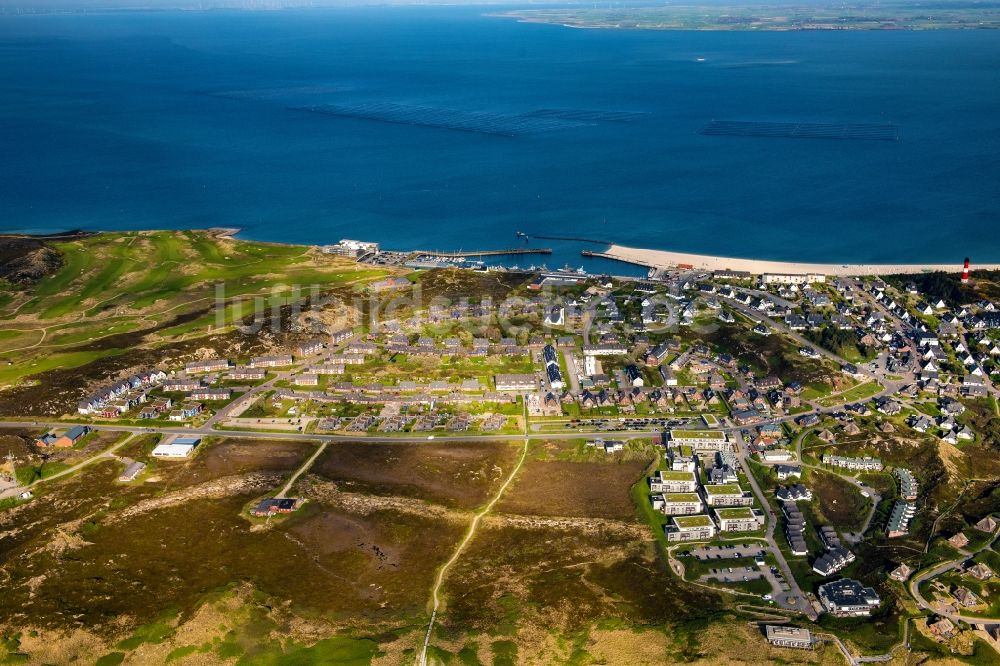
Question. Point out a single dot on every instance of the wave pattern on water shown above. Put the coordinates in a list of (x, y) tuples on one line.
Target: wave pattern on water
[(862, 131), (464, 121), (587, 115)]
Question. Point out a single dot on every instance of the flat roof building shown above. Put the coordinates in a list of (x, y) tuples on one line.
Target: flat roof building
[(740, 519), (173, 450), (730, 494), (690, 528), (681, 504), (715, 440), (670, 481), (791, 637), (848, 598)]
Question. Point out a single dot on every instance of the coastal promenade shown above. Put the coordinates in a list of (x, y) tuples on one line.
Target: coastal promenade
[(667, 259)]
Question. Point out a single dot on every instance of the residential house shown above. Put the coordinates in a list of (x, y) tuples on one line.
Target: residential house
[(271, 361), (965, 597), (959, 540), (209, 365), (901, 573), (66, 440)]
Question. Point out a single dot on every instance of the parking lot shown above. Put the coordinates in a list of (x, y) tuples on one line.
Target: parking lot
[(722, 573), (727, 552), (734, 574), (621, 424)]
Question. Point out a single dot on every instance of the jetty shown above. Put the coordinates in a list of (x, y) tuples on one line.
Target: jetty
[(488, 253), (615, 257), (576, 239)]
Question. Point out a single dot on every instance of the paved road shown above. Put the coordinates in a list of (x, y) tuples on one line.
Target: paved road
[(759, 317), (239, 405), (312, 437), (799, 600), (920, 577), (572, 370), (799, 603), (236, 407), (900, 326), (852, 659)]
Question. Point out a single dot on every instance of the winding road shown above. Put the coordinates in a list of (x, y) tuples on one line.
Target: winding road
[(914, 585)]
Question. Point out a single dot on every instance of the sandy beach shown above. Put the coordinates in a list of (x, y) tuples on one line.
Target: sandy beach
[(666, 259)]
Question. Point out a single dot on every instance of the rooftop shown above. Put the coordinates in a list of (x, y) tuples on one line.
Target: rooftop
[(735, 513), (848, 592), (775, 632), (692, 521), (676, 475), (697, 434), (727, 489)]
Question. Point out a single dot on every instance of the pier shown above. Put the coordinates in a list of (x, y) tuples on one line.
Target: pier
[(577, 239), (614, 257), (488, 253)]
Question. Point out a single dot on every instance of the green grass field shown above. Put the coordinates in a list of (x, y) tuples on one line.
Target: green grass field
[(118, 283), (857, 393), (139, 269)]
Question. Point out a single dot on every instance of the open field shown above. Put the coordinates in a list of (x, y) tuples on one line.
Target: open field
[(532, 585), (231, 456), (565, 563), (131, 564), (459, 475), (837, 501), (861, 392), (455, 283), (584, 489)]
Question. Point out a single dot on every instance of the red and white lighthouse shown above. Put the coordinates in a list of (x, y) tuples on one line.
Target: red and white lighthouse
[(965, 272)]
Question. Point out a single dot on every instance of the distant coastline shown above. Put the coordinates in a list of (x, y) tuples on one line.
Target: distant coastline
[(646, 257), (775, 18)]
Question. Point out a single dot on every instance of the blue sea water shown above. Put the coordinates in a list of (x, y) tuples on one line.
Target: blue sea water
[(188, 119)]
